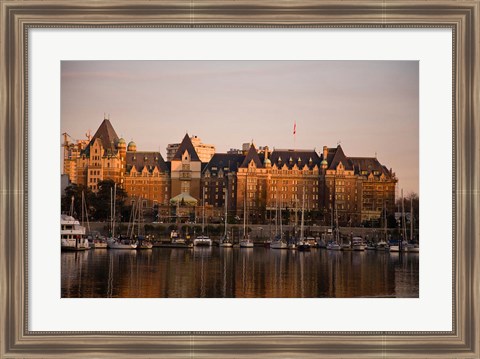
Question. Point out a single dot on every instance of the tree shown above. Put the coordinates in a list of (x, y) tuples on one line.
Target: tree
[(103, 197), (75, 191)]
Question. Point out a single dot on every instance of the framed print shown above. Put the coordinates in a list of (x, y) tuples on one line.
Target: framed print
[(239, 179)]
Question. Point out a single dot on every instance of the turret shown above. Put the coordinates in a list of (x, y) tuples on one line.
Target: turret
[(132, 147), (267, 161), (122, 148), (324, 162)]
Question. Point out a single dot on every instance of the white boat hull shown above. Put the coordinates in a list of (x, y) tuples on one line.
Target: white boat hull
[(394, 248), (75, 244), (246, 244), (119, 244), (100, 245), (202, 241), (226, 245), (334, 247), (358, 247), (278, 245)]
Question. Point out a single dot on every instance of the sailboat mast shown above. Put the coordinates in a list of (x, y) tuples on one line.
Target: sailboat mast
[(331, 219), (111, 210), (246, 209), (130, 221), (244, 213), (276, 212), (114, 199), (303, 214), (203, 212), (71, 206), (281, 229), (84, 206), (385, 221), (226, 210), (404, 228), (83, 203), (411, 219), (337, 234), (139, 218)]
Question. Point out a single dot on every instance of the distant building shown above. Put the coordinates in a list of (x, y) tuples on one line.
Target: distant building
[(64, 183), (234, 151), (204, 151), (258, 182)]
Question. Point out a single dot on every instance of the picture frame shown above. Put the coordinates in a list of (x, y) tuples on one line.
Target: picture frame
[(18, 17)]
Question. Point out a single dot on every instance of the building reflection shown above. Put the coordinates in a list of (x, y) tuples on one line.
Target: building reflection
[(238, 273)]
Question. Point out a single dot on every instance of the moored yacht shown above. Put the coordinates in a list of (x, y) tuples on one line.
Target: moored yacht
[(121, 243), (357, 244), (72, 234), (303, 244), (333, 246), (225, 242), (202, 241), (382, 246), (278, 243)]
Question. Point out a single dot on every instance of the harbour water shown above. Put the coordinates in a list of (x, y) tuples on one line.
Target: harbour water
[(238, 273)]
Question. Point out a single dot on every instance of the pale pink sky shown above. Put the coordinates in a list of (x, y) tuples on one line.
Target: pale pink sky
[(370, 106)]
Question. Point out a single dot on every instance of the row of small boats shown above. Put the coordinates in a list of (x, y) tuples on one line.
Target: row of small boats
[(357, 244)]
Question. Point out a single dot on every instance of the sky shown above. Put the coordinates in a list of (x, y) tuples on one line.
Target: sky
[(370, 107)]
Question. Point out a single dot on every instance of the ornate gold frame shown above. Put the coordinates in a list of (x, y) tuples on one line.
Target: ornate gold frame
[(17, 16)]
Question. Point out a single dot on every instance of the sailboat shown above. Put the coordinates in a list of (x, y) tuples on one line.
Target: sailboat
[(143, 242), (203, 240), (278, 242), (94, 239), (413, 247), (224, 240), (114, 242), (382, 244), (397, 247), (333, 245), (302, 245), (245, 242)]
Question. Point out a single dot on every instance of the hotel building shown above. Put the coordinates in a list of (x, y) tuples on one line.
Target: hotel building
[(257, 182)]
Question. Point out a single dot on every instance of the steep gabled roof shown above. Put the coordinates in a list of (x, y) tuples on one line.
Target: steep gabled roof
[(225, 162), (149, 159), (252, 154), (300, 158), (339, 156), (368, 164), (107, 135), (186, 145)]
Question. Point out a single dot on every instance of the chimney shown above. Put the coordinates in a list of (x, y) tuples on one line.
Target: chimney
[(325, 152)]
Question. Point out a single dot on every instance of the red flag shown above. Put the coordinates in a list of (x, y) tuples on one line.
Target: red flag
[(295, 127)]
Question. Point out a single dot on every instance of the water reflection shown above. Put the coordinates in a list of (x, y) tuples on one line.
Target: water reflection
[(238, 273)]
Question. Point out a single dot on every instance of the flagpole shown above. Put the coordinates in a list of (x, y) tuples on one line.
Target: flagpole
[(294, 135)]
